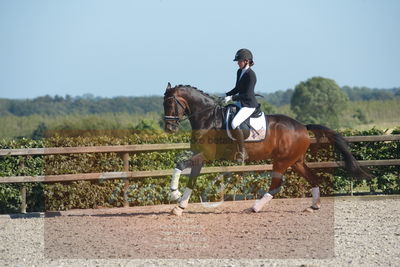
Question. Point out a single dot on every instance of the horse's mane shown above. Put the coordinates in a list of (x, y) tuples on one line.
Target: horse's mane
[(168, 92)]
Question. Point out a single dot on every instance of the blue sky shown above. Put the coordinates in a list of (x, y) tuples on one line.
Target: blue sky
[(133, 48)]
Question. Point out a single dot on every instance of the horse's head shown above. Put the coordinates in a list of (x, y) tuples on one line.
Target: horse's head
[(175, 108)]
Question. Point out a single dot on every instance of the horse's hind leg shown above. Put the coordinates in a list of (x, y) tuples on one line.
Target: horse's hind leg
[(302, 169), (279, 168)]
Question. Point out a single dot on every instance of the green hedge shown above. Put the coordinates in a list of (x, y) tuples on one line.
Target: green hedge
[(149, 191)]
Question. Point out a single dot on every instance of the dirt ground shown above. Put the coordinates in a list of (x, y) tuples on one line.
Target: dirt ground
[(227, 231), (347, 231)]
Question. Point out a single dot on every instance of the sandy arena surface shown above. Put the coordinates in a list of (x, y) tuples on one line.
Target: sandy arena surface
[(347, 231)]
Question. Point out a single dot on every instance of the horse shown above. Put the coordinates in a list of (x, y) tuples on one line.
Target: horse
[(286, 143)]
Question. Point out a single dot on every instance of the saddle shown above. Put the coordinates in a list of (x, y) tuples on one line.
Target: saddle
[(254, 128)]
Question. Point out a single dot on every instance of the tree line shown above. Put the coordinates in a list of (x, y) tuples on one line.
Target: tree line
[(83, 105), (88, 104), (280, 98)]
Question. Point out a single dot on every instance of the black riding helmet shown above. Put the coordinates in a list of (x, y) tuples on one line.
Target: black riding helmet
[(243, 54)]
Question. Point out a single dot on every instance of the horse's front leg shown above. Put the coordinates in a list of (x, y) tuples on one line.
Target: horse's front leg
[(175, 194), (196, 163)]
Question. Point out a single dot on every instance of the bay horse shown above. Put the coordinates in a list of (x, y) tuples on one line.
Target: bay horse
[(286, 143)]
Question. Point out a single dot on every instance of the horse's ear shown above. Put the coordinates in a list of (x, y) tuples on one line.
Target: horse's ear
[(169, 86)]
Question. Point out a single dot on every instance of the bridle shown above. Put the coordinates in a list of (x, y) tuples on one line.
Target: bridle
[(176, 120)]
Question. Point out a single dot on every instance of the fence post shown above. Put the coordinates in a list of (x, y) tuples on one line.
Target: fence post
[(23, 188), (125, 158)]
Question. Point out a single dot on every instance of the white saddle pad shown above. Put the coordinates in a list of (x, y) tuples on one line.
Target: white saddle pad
[(258, 128)]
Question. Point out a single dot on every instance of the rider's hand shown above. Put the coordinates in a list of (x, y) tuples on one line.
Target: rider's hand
[(227, 98)]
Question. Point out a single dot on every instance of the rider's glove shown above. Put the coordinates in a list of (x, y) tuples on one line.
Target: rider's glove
[(227, 98)]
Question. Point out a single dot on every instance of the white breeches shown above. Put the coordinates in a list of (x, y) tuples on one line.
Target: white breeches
[(241, 116)]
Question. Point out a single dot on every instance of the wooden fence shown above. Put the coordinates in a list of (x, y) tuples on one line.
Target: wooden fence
[(125, 150)]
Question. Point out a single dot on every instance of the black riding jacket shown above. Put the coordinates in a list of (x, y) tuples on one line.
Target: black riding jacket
[(245, 88)]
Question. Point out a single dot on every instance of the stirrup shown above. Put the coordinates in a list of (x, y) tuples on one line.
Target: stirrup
[(240, 157)]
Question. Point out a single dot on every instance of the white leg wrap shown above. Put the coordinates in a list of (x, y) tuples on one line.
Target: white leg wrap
[(259, 204), (184, 201), (315, 198), (175, 195), (175, 179)]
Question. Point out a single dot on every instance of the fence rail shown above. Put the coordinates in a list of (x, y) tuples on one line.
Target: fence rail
[(153, 147), (124, 150), (158, 173)]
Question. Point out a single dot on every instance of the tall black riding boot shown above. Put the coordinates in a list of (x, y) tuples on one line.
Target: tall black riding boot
[(241, 156)]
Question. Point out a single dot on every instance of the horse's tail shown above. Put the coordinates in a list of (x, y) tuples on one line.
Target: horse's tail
[(350, 163)]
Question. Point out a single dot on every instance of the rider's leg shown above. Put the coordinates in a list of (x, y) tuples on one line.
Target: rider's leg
[(238, 135), (240, 117)]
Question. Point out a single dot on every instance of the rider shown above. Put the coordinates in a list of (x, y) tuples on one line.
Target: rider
[(243, 92)]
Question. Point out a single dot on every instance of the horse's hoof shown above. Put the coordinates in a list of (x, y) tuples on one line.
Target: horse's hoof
[(316, 205), (248, 211), (311, 209), (177, 211), (257, 207)]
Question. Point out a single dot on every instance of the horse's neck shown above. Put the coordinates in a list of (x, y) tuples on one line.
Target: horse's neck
[(203, 111)]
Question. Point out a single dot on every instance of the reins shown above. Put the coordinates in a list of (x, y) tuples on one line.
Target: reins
[(176, 118)]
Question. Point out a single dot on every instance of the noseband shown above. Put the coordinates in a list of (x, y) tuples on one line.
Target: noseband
[(175, 119)]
